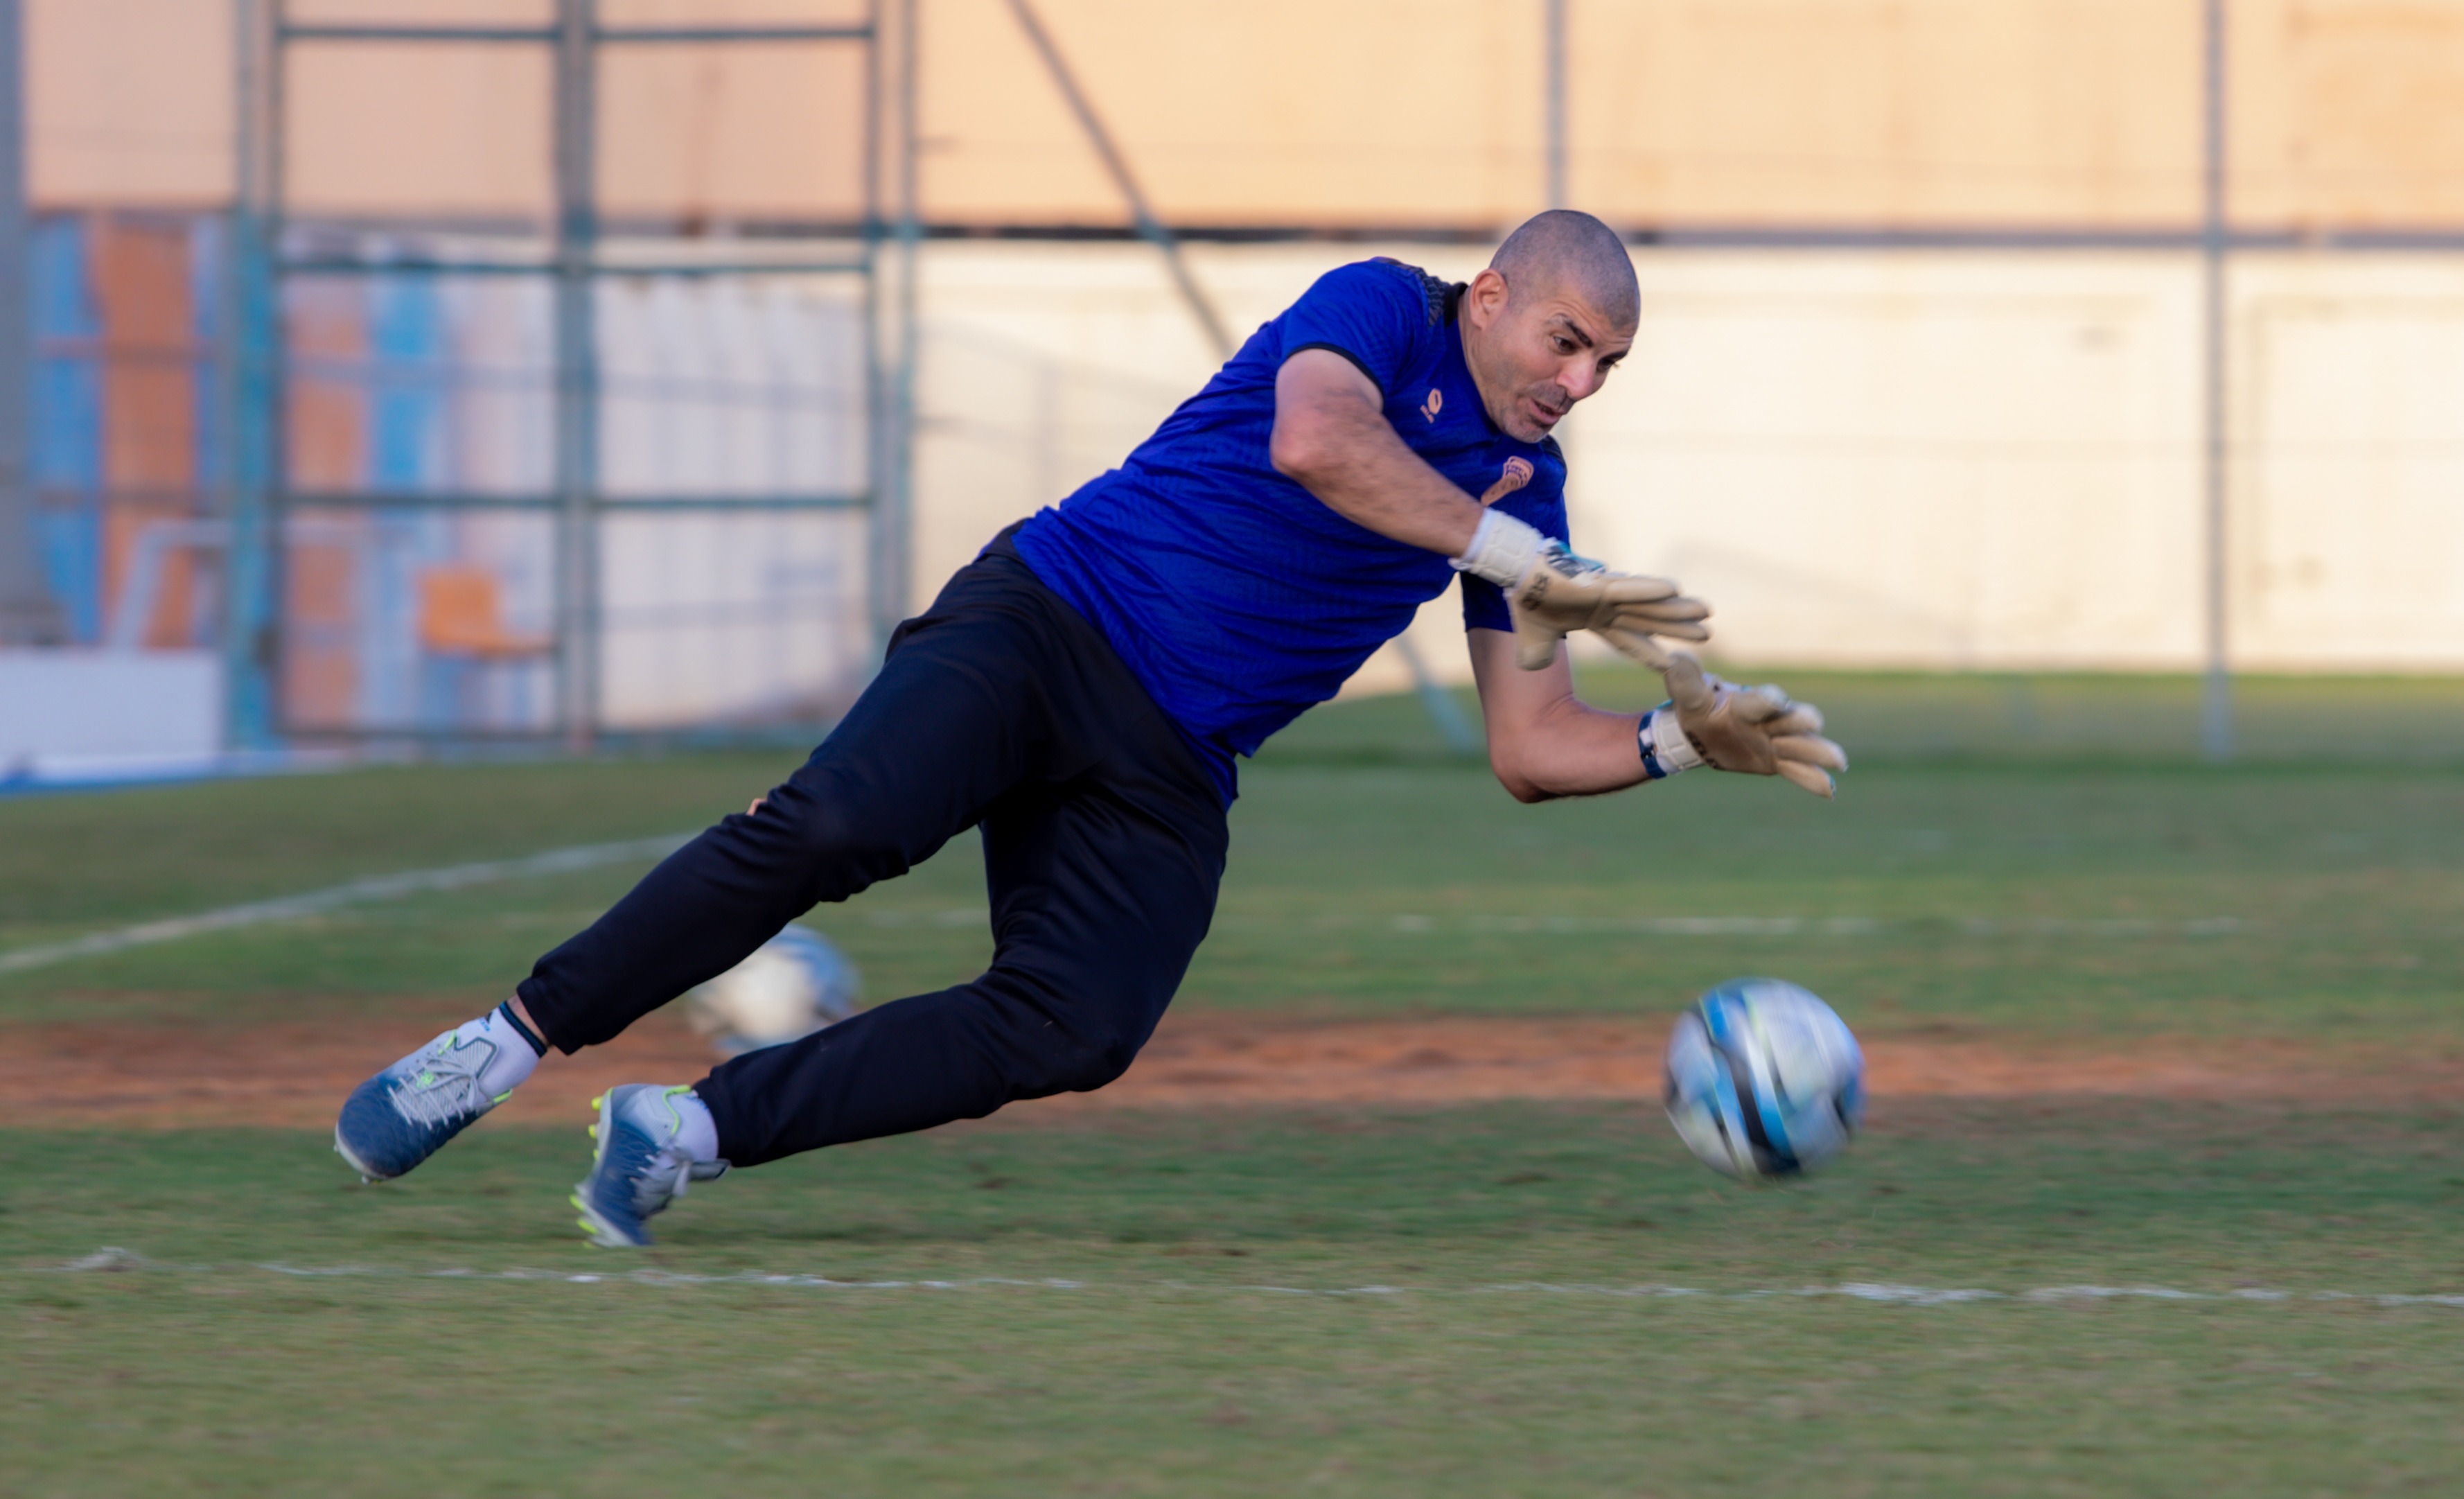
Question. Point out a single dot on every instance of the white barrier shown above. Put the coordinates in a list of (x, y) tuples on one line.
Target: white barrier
[(87, 713)]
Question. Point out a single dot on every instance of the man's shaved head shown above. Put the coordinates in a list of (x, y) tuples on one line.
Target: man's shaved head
[(1554, 312), (1574, 255)]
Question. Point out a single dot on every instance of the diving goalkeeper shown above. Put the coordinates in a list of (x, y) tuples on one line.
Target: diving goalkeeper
[(1080, 692)]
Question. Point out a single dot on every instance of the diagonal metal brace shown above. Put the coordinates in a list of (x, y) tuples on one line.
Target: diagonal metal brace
[(1151, 229)]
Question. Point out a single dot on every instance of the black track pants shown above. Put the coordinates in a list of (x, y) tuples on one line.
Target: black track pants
[(1104, 842)]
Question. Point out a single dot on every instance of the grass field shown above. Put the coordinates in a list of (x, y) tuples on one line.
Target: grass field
[(1523, 1296)]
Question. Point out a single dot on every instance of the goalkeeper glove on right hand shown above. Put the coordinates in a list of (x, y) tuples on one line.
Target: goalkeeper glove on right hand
[(1757, 731), (1551, 593)]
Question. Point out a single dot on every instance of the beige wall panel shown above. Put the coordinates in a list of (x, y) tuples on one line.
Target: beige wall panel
[(403, 129), (129, 101), (1927, 460), (1856, 112), (2023, 112), (998, 143), (1850, 112), (1853, 111), (1922, 459), (2349, 514), (718, 132), (2349, 111), (1389, 112)]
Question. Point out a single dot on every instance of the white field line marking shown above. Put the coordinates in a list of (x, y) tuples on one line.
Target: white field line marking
[(375, 888), (1818, 926), (116, 1259), (561, 861), (1486, 924)]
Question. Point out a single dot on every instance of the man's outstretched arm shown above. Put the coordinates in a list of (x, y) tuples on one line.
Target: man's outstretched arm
[(1546, 742), (1331, 437)]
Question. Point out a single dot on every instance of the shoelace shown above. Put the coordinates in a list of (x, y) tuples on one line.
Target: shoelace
[(662, 1180), (441, 1101)]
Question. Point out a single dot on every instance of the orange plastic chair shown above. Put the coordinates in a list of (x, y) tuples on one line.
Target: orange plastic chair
[(461, 613)]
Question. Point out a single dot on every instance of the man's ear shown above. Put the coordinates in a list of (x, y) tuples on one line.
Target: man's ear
[(1486, 298)]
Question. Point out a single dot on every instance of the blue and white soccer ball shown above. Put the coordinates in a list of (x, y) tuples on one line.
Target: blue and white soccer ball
[(1764, 1080), (792, 985)]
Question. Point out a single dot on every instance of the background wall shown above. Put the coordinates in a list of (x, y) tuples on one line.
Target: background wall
[(1913, 458), (1982, 454)]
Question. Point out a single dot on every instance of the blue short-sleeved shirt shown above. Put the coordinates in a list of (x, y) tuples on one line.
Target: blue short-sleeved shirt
[(1236, 597)]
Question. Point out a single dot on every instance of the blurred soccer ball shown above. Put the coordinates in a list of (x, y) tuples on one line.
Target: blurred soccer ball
[(792, 985), (1764, 1080)]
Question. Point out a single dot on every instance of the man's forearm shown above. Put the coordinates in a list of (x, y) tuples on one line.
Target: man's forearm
[(1544, 741), (1578, 750), (1331, 437)]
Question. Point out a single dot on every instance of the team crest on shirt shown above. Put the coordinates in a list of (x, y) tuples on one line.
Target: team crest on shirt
[(1517, 474), (1435, 403)]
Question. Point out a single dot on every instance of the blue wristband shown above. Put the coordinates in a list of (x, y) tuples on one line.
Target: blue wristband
[(1652, 768)]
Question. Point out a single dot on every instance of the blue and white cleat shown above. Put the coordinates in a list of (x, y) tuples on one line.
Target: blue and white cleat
[(403, 1114), (640, 1166)]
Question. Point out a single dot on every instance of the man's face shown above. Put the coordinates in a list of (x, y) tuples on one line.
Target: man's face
[(1535, 356)]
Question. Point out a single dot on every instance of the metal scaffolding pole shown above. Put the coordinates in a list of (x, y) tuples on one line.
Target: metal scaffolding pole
[(1553, 103), (1150, 228), (2216, 716), (577, 382), (892, 330), (896, 515), (247, 379), (28, 614)]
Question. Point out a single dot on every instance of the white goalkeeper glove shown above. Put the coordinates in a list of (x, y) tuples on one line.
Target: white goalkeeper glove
[(1754, 730), (1551, 593)]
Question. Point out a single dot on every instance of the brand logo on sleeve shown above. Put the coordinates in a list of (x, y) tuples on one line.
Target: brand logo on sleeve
[(1517, 474), (1435, 403)]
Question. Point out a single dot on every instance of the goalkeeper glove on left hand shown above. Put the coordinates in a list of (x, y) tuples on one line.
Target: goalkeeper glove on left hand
[(1551, 593), (1757, 731)]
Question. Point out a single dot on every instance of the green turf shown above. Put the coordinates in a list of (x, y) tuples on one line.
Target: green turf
[(1934, 718), (70, 859), (2042, 894), (2014, 857), (1187, 1355)]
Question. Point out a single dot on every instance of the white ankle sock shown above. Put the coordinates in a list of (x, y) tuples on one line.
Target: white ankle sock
[(514, 1059), (696, 1132)]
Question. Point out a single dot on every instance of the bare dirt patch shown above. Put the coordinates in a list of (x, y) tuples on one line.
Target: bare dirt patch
[(295, 1074)]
